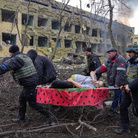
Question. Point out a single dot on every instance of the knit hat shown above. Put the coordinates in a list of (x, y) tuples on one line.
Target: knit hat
[(13, 49), (132, 48), (88, 49)]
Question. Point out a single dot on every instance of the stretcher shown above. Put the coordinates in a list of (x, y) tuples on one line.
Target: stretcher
[(72, 97)]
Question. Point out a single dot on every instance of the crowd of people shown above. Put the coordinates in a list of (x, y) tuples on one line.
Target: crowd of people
[(31, 69)]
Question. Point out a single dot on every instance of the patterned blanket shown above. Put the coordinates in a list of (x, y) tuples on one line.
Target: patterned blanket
[(73, 97)]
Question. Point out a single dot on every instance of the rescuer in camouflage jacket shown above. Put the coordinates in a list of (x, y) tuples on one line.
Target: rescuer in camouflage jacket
[(25, 74), (130, 95)]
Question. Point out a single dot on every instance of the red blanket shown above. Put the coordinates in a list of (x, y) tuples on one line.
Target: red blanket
[(72, 97)]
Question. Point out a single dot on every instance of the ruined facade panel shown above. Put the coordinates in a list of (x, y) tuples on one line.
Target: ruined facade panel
[(9, 39), (94, 32), (30, 21), (8, 16), (68, 43), (42, 41), (55, 25), (77, 29), (59, 42), (42, 22)]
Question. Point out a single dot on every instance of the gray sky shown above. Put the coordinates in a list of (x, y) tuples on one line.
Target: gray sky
[(133, 20)]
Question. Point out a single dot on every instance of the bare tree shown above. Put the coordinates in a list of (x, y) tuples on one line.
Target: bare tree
[(15, 23), (62, 21)]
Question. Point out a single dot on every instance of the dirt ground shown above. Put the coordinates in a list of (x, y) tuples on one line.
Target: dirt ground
[(68, 125)]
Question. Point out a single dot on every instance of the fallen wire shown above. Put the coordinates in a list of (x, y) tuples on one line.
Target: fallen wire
[(35, 130)]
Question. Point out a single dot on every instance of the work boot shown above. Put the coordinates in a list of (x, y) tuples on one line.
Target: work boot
[(18, 120), (111, 113), (50, 121), (122, 131)]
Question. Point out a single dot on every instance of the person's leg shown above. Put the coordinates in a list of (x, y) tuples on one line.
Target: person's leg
[(116, 99), (22, 107), (31, 99), (61, 84), (135, 102), (125, 103)]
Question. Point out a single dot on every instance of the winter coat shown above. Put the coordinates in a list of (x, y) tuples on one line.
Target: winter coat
[(134, 84), (44, 67), (132, 69), (15, 63), (93, 62), (116, 70)]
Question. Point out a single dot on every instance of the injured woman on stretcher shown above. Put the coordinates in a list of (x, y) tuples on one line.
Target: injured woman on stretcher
[(84, 94), (78, 81)]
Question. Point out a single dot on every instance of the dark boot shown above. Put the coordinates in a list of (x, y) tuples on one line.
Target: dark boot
[(18, 120), (122, 131)]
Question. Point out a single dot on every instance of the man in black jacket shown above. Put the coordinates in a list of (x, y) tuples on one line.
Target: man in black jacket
[(130, 94), (93, 62), (44, 67), (24, 72)]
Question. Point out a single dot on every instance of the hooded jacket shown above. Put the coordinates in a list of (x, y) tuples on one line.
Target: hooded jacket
[(44, 67)]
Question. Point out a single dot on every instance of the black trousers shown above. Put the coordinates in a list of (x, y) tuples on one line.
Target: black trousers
[(28, 94), (61, 84), (125, 103)]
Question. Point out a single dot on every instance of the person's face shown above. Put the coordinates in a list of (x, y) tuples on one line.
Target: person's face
[(87, 53), (11, 54), (131, 54), (99, 83), (111, 54)]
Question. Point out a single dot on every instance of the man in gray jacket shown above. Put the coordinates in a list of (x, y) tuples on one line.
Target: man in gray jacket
[(115, 67)]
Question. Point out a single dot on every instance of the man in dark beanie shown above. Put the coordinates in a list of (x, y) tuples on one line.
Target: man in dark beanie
[(24, 72), (93, 62), (44, 67), (13, 49)]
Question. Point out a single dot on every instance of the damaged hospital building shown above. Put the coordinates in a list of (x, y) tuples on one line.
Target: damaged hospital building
[(77, 30)]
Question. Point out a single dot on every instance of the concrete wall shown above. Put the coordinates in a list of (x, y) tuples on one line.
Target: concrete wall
[(44, 9)]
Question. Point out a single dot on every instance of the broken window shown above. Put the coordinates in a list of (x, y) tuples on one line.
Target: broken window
[(86, 31), (42, 41), (67, 28), (84, 46), (77, 29), (102, 34), (59, 42), (93, 47), (42, 22), (55, 25), (8, 39), (78, 46), (32, 41), (67, 43), (8, 16), (94, 32), (30, 21), (81, 46)]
